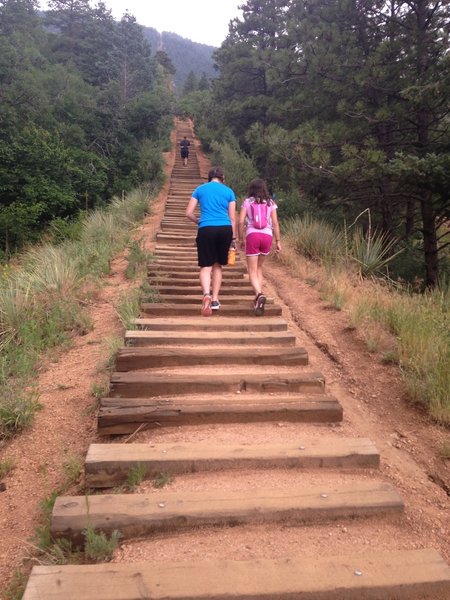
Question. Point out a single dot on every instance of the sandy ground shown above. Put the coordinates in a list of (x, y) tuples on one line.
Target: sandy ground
[(371, 393)]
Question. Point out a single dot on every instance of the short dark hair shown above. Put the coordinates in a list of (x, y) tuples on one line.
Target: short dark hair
[(216, 173)]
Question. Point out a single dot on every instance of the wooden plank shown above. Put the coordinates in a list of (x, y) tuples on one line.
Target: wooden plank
[(140, 383), (245, 301), (146, 357), (167, 284), (386, 575), (107, 465), (125, 415), (181, 271), (142, 514), (174, 290), (192, 307), (199, 323), (208, 338)]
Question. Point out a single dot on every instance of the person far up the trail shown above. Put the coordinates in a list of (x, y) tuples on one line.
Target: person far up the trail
[(215, 235), (184, 150)]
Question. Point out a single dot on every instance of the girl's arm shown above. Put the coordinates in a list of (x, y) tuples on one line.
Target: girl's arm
[(232, 215), (241, 226), (276, 230), (190, 210)]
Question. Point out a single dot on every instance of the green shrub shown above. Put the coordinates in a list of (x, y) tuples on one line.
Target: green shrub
[(315, 239), (98, 547)]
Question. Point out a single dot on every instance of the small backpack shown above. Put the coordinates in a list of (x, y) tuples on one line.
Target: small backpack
[(259, 214)]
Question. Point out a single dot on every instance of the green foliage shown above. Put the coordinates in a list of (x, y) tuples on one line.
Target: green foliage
[(238, 167), (421, 325), (344, 104), (315, 239), (17, 409), (74, 131), (372, 252), (41, 300), (6, 466), (162, 480), (16, 588), (73, 467), (136, 476), (137, 259), (98, 547), (128, 307)]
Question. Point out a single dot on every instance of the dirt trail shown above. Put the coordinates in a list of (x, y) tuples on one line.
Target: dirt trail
[(370, 393)]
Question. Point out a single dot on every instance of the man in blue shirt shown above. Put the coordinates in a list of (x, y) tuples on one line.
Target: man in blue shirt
[(216, 233)]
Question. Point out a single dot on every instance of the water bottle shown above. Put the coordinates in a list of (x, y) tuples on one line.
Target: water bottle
[(231, 256)]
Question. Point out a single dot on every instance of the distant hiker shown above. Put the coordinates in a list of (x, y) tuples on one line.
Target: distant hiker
[(258, 221), (216, 234), (184, 150)]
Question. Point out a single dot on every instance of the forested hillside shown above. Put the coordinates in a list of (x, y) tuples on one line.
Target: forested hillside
[(187, 56), (343, 106), (85, 111)]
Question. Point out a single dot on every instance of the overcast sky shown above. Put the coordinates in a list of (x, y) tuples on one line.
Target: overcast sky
[(203, 21)]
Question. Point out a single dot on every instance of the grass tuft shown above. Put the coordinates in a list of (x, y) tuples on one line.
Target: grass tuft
[(98, 547)]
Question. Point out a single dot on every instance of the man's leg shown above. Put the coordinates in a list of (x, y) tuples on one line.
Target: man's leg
[(216, 280)]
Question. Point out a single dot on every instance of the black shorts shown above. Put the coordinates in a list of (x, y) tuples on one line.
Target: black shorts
[(213, 244), (184, 153)]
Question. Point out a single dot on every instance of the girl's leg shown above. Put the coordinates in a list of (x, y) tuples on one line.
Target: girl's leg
[(261, 259), (252, 268)]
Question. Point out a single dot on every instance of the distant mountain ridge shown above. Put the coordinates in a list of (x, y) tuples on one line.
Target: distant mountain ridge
[(185, 55)]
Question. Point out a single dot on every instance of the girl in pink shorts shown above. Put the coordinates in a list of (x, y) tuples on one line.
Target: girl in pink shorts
[(259, 218)]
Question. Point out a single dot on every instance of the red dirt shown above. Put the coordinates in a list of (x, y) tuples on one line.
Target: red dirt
[(371, 393)]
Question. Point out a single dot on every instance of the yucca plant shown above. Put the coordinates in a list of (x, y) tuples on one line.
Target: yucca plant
[(372, 251)]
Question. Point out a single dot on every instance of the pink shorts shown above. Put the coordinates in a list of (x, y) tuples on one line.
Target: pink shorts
[(258, 243)]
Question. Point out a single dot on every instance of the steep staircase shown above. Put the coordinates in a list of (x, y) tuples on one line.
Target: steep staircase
[(178, 368)]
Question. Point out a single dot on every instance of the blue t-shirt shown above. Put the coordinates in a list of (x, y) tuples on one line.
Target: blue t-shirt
[(213, 198)]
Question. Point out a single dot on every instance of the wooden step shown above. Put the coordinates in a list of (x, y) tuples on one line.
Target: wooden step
[(209, 338), (131, 359), (192, 307), (181, 272), (176, 240), (124, 415), (166, 285), (192, 289), (108, 465), (382, 575), (142, 514), (133, 384), (199, 323), (241, 299)]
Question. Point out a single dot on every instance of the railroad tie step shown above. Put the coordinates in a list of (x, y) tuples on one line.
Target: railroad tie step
[(199, 323), (191, 306), (119, 416), (209, 338), (147, 357), (132, 384), (387, 575), (245, 301), (108, 465), (143, 514)]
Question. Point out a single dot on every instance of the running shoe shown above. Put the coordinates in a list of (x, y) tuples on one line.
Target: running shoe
[(206, 306), (215, 305), (260, 302)]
